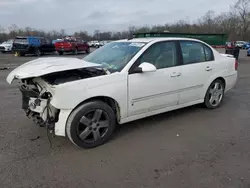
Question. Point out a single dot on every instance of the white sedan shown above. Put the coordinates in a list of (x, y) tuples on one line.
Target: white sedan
[(123, 81), (6, 46)]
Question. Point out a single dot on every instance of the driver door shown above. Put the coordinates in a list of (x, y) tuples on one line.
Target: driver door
[(151, 91)]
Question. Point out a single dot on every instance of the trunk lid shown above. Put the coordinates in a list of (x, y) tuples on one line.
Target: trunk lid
[(44, 66)]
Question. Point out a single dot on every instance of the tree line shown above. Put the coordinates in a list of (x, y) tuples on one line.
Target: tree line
[(235, 23)]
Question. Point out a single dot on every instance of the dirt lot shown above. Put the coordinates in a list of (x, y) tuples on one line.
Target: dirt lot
[(188, 148)]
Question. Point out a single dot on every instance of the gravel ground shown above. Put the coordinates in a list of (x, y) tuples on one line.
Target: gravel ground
[(193, 147)]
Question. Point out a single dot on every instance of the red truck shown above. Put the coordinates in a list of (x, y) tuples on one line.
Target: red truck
[(71, 44)]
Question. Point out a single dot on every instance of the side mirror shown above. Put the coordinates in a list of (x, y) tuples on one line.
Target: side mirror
[(147, 67), (144, 67)]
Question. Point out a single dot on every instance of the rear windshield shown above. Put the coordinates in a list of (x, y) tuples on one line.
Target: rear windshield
[(21, 40)]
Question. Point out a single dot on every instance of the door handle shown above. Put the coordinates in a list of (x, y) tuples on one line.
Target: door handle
[(175, 74), (208, 68)]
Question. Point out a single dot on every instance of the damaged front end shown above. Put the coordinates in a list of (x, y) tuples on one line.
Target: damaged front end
[(37, 93), (36, 104), (41, 83)]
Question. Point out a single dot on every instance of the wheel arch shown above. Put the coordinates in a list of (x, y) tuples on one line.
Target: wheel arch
[(108, 100), (210, 82)]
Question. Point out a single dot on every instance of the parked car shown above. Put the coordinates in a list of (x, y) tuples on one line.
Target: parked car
[(92, 43), (72, 44), (248, 52), (56, 40), (240, 44), (246, 45), (32, 45), (123, 81), (6, 46)]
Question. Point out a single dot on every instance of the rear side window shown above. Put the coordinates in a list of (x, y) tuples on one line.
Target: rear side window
[(209, 53), (192, 52)]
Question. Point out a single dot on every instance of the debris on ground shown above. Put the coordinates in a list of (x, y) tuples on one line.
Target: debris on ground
[(33, 139), (4, 68)]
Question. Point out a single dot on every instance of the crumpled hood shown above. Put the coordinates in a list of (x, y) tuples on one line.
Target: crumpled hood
[(43, 66)]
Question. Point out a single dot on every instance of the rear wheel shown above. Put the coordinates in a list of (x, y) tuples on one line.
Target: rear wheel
[(87, 51), (215, 94), (75, 51), (38, 52), (60, 52)]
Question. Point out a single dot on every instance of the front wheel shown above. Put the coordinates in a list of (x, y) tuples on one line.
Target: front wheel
[(215, 94), (87, 51), (91, 124)]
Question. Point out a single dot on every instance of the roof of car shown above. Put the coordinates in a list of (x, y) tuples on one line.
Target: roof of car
[(150, 39)]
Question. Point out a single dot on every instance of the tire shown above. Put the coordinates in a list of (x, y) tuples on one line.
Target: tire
[(3, 52), (60, 52), (75, 51), (21, 54), (214, 97), (86, 113), (38, 52), (88, 51)]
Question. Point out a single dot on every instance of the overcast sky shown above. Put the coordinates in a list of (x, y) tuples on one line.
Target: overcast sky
[(75, 15)]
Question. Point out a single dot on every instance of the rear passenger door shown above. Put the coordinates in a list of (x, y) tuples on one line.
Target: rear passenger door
[(197, 67)]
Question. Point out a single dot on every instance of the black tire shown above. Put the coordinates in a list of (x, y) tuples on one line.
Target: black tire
[(88, 51), (38, 52), (74, 128), (60, 52), (3, 52), (21, 54), (75, 51), (208, 101)]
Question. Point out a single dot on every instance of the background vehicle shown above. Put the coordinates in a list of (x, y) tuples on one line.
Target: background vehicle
[(32, 45), (218, 39), (246, 45), (56, 40), (240, 44), (6, 46), (232, 49), (121, 82), (248, 52), (71, 44), (92, 43)]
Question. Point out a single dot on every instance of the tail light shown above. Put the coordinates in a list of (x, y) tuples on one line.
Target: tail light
[(236, 64)]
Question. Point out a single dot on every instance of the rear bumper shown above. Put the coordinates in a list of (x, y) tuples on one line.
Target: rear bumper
[(231, 81), (62, 49), (5, 49)]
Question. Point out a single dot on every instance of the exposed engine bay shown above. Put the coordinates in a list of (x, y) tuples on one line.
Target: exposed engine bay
[(72, 75), (36, 99)]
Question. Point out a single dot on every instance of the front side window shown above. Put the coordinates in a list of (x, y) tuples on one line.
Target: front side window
[(115, 55), (161, 55), (192, 52)]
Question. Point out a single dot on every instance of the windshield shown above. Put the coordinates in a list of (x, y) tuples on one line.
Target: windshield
[(115, 55), (8, 42)]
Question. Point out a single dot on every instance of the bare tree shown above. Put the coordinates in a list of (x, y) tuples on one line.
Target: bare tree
[(241, 9)]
